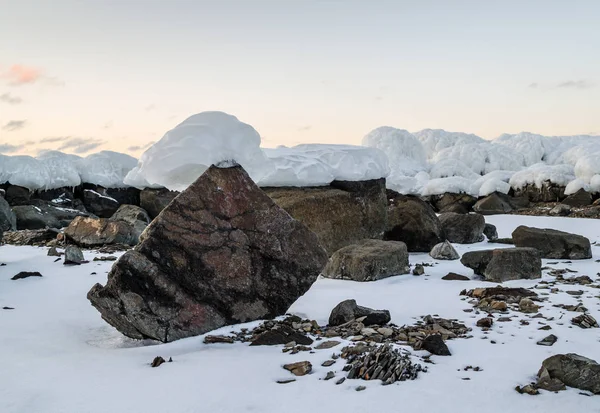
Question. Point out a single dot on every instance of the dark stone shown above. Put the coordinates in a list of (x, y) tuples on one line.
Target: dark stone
[(451, 276), (573, 370), (41, 215), (462, 228), (413, 222), (281, 335), (505, 264), (8, 220), (435, 345), (580, 198), (549, 192), (124, 196), (99, 203), (493, 204), (348, 310), (17, 195), (221, 253), (552, 243), (507, 241), (26, 274), (490, 232), (486, 322), (548, 341)]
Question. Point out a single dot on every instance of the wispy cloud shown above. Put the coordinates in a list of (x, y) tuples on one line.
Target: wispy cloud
[(8, 148), (55, 139), (18, 75), (14, 125), (108, 125), (140, 147), (533, 85), (10, 99), (77, 145), (150, 107), (575, 84), (305, 128)]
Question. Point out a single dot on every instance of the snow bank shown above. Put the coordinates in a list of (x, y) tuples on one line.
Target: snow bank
[(405, 152), (106, 168), (539, 173), (24, 171), (454, 184), (496, 181), (187, 150), (435, 140), (316, 165), (575, 186), (62, 169)]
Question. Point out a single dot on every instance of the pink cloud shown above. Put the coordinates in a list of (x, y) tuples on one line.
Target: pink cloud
[(21, 75)]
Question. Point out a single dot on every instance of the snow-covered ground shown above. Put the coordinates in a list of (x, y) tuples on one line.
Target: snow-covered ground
[(59, 356)]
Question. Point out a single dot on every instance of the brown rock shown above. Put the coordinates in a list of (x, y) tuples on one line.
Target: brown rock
[(451, 276), (221, 253), (92, 232), (300, 368)]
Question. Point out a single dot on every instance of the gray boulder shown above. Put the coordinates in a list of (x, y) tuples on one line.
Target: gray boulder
[(8, 220), (462, 228), (348, 310), (453, 202), (42, 215), (94, 232), (573, 370), (368, 260), (135, 216), (444, 251), (560, 210), (490, 232), (580, 198), (220, 253), (413, 222), (99, 203), (73, 255), (505, 264), (552, 243)]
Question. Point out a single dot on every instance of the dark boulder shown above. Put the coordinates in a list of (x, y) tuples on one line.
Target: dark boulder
[(493, 204), (155, 200), (26, 274), (552, 243), (135, 216), (505, 264), (40, 215), (413, 222), (451, 202), (99, 203), (8, 220), (462, 228), (435, 345), (348, 310), (221, 253), (490, 232), (573, 370), (580, 198), (17, 195), (281, 335)]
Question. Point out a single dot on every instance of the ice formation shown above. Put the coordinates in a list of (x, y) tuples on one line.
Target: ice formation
[(106, 168)]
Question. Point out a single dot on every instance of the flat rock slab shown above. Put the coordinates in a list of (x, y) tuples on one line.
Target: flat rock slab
[(220, 253), (368, 260), (552, 243), (505, 264)]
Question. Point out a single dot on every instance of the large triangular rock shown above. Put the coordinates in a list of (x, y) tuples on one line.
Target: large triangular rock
[(221, 253)]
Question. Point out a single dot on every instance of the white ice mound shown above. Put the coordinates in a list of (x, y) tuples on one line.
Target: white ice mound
[(187, 150), (496, 181), (24, 171), (575, 186), (539, 173), (453, 184), (106, 168), (62, 169), (435, 140), (405, 152), (318, 165), (482, 158)]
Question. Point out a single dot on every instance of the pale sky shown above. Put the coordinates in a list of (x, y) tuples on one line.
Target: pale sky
[(89, 75)]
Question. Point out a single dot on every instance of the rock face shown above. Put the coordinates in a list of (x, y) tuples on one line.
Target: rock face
[(462, 228), (221, 253), (93, 232), (99, 204), (348, 310), (493, 204), (444, 251), (505, 264), (8, 220), (573, 370), (155, 200), (341, 214), (552, 243), (578, 199), (368, 260), (17, 195), (42, 215), (413, 222)]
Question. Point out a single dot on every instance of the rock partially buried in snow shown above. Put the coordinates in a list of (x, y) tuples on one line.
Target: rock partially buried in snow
[(504, 264), (490, 232), (221, 253), (368, 260), (573, 370), (462, 228), (451, 276), (73, 255), (552, 243), (348, 310), (444, 251)]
